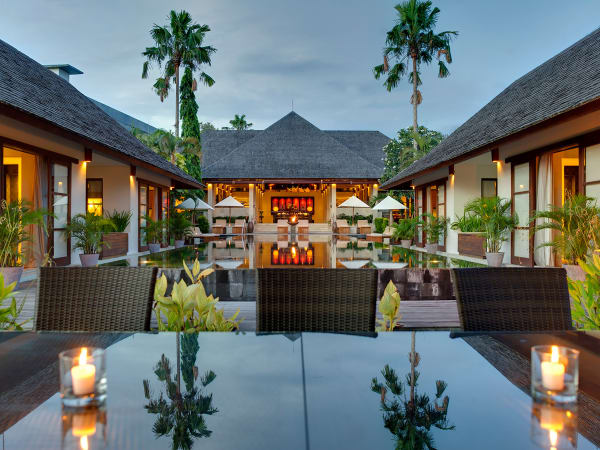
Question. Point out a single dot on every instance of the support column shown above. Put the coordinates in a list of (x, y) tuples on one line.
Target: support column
[(333, 212), (210, 197), (135, 220), (251, 195)]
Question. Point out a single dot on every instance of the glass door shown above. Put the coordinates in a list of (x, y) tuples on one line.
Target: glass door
[(523, 203), (441, 212), (419, 210), (143, 212), (60, 202)]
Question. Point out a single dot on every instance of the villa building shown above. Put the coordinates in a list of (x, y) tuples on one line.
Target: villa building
[(61, 151), (535, 143), (291, 165)]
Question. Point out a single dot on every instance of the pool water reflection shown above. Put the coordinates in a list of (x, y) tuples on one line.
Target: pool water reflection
[(265, 251)]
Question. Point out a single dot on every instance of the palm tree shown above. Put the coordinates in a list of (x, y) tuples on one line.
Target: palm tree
[(177, 44), (413, 41), (410, 418), (239, 122), (180, 415)]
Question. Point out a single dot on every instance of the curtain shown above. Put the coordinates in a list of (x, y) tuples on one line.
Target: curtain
[(40, 200), (543, 256)]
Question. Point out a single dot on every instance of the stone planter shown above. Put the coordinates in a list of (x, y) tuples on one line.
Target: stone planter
[(494, 259), (431, 248), (11, 274), (179, 243), (89, 260), (471, 244), (574, 272), (154, 248), (406, 243), (116, 244)]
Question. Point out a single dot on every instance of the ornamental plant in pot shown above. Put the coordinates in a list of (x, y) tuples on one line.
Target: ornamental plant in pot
[(179, 227), (576, 225), (495, 213), (404, 231), (154, 233), (16, 218), (116, 238), (87, 231), (435, 229)]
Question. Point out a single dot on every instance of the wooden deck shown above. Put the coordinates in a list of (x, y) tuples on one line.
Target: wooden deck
[(422, 314)]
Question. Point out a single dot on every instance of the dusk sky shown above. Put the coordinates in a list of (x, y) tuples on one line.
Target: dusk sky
[(320, 54)]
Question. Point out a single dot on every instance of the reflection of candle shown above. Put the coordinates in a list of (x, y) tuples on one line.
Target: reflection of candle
[(553, 437), (553, 372), (83, 375), (83, 443), (551, 418)]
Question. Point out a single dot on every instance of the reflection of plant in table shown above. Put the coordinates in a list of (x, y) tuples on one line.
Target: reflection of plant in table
[(180, 415), (9, 314), (586, 295), (389, 307), (410, 416)]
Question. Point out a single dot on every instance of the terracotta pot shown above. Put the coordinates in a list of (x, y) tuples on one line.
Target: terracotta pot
[(90, 260), (574, 272), (406, 243), (154, 248), (494, 259), (431, 248), (179, 243), (11, 274)]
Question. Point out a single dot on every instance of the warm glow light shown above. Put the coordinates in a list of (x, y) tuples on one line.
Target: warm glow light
[(553, 435), (83, 443), (412, 186), (83, 356), (553, 372), (209, 185)]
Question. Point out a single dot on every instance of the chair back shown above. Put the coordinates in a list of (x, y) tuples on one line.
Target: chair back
[(303, 223), (342, 223), (282, 223), (363, 223), (334, 300), (197, 231), (95, 298), (512, 299), (220, 223), (240, 223)]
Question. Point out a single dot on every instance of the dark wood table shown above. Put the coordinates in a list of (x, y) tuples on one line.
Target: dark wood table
[(287, 391)]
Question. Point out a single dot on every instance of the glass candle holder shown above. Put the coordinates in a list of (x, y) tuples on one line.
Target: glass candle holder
[(553, 426), (82, 376), (554, 373), (83, 427)]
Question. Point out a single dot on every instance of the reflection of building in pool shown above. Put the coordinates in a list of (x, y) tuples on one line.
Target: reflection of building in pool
[(291, 166)]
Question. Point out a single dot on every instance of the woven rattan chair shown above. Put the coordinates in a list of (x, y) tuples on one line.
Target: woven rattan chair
[(239, 227), (363, 227), (94, 298), (512, 299), (326, 300), (219, 227), (342, 226)]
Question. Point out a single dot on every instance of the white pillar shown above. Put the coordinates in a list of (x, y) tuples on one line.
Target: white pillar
[(210, 197), (333, 213), (133, 225), (251, 193), (78, 206)]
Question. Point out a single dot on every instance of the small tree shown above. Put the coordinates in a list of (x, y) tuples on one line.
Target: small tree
[(239, 123)]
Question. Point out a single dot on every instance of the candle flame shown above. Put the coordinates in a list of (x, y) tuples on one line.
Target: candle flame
[(554, 357), (83, 443), (553, 435), (83, 357)]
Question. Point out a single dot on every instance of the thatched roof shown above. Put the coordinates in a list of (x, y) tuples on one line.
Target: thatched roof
[(292, 148), (565, 82)]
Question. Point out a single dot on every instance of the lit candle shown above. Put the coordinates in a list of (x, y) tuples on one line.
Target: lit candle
[(553, 372), (83, 375)]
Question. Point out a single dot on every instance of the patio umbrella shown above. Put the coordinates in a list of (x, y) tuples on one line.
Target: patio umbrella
[(229, 202), (389, 204), (353, 202), (194, 204)]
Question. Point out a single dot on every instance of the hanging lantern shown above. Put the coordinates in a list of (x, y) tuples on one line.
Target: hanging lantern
[(309, 204), (302, 204), (282, 203), (288, 203), (297, 203), (309, 256), (275, 257), (274, 204)]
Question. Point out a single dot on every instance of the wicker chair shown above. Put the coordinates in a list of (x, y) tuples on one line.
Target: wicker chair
[(512, 299), (282, 227), (342, 226), (363, 227), (333, 300), (94, 298), (303, 226), (239, 226), (219, 227)]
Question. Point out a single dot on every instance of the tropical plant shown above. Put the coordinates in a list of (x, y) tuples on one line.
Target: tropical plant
[(468, 223), (495, 213), (389, 307), (179, 44), (188, 308), (239, 123), (10, 314), (180, 415), (353, 220), (434, 226), (119, 219), (86, 230), (401, 153), (586, 295), (154, 230), (410, 416), (179, 225), (411, 43), (576, 223), (202, 222), (190, 127), (15, 218), (380, 224), (405, 229)]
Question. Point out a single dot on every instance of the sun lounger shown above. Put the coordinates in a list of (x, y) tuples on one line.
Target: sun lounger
[(219, 226), (342, 226), (239, 227), (282, 226), (303, 226), (379, 237), (364, 227)]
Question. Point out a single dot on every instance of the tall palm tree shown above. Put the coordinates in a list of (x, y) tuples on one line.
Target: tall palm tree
[(178, 44), (239, 122), (411, 43)]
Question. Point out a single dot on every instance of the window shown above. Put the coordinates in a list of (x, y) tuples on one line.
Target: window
[(489, 187), (592, 172), (93, 195), (522, 197)]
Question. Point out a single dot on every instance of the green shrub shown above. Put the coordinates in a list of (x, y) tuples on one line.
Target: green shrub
[(119, 219), (10, 313), (354, 220), (468, 223), (203, 224), (380, 224), (586, 295), (434, 226), (179, 225), (405, 229), (86, 231)]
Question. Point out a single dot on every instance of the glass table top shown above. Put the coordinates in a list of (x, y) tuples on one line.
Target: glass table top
[(292, 391)]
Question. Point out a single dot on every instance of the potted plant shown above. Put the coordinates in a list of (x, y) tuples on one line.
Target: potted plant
[(179, 227), (87, 231), (116, 238), (15, 219), (575, 223), (435, 228), (495, 213), (154, 233), (404, 231), (471, 239)]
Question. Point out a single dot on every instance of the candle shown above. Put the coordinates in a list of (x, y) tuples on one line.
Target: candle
[(83, 375), (553, 372)]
